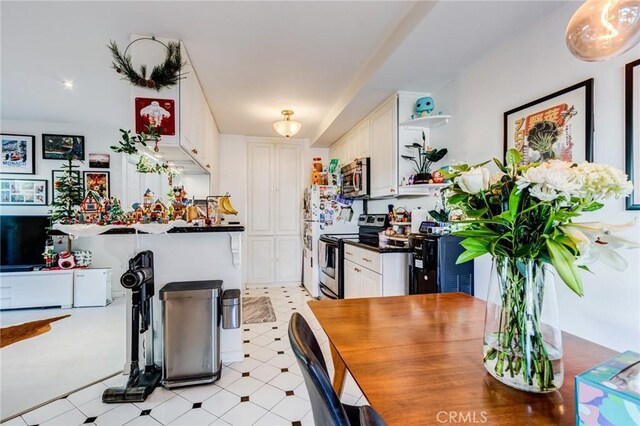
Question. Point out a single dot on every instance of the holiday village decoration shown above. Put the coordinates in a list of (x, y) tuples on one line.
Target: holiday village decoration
[(179, 203), (164, 75), (524, 217), (69, 191), (425, 158), (91, 208)]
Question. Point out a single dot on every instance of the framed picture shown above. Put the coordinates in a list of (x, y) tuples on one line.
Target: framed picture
[(559, 125), (23, 192), (159, 113), (58, 147), (56, 175), (18, 154), (632, 130), (98, 182), (99, 161)]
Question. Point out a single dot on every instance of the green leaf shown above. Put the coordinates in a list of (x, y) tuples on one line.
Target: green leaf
[(456, 198), (476, 213), (466, 256), (476, 244), (564, 262), (514, 201), (513, 157), (593, 207), (475, 233), (500, 166)]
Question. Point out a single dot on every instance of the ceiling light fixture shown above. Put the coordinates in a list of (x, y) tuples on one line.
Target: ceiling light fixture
[(68, 84), (287, 127), (603, 29)]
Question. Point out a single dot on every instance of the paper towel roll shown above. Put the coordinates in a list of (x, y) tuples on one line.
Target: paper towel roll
[(417, 217)]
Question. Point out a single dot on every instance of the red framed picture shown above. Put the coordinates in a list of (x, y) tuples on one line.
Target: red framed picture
[(159, 113)]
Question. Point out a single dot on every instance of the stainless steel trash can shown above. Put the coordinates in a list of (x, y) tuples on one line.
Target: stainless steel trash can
[(191, 332), (231, 308)]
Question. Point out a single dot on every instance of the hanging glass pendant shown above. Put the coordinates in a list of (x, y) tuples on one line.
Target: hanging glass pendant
[(287, 127), (603, 29)]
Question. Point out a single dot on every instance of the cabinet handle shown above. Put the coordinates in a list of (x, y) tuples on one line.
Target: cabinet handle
[(356, 269), (392, 190), (208, 166), (366, 260), (349, 253), (195, 151)]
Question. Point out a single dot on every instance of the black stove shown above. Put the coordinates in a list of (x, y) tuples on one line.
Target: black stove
[(369, 226)]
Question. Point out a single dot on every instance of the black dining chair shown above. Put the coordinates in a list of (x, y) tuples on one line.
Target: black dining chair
[(325, 404)]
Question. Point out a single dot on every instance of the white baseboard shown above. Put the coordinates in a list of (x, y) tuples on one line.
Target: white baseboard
[(229, 357), (273, 285)]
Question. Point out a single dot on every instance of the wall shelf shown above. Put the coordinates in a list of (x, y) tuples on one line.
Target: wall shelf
[(428, 122), (422, 189)]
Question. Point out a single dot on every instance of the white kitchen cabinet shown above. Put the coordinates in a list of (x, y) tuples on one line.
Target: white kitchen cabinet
[(364, 139), (384, 163), (274, 209), (91, 287), (36, 289), (352, 146), (369, 273)]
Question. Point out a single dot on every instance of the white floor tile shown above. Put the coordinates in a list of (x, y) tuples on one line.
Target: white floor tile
[(265, 372), (159, 396), (16, 421), (351, 387), (308, 419), (246, 365), (267, 396), (245, 413), (47, 412), (228, 376), (302, 391), (286, 381), (87, 394), (123, 413), (263, 354), (349, 399), (118, 380), (251, 348), (292, 408), (219, 422), (260, 341), (199, 393), (282, 361), (279, 345), (70, 418), (195, 417), (168, 411), (245, 386), (96, 407), (144, 421), (271, 419), (221, 402)]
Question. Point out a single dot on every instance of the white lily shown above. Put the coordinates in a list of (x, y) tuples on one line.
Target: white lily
[(474, 181), (596, 241)]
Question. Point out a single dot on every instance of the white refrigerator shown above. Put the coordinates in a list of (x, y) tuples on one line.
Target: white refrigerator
[(324, 212)]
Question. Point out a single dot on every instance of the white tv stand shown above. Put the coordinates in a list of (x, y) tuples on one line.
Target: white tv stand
[(36, 289)]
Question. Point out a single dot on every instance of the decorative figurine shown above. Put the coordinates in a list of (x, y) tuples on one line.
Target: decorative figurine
[(158, 212), (91, 208), (424, 106), (50, 255), (66, 260), (437, 177)]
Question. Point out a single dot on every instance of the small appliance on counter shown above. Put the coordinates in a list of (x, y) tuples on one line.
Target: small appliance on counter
[(433, 268)]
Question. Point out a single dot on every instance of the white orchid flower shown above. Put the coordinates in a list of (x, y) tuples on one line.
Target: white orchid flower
[(596, 241), (474, 181)]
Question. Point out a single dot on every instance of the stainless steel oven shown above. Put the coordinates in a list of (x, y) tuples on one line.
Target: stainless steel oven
[(329, 268), (355, 178)]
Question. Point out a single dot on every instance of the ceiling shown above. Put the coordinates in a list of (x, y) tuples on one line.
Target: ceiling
[(331, 62)]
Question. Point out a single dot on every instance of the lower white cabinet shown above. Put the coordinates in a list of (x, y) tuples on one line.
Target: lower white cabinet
[(91, 287), (368, 273), (36, 289), (274, 260)]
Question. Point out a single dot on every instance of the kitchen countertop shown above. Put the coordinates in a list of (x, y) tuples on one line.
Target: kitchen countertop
[(174, 230), (388, 249)]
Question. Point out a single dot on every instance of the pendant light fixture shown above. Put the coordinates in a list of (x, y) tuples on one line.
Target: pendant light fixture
[(603, 29), (287, 127)]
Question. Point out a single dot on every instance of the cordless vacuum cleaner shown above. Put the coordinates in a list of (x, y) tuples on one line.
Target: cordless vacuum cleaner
[(138, 279)]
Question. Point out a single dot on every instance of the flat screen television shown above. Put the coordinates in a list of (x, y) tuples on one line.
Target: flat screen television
[(23, 239)]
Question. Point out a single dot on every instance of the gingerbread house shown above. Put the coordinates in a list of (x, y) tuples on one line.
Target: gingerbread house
[(91, 208)]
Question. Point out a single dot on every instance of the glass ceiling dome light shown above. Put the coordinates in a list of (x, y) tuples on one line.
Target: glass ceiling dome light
[(287, 127), (603, 29)]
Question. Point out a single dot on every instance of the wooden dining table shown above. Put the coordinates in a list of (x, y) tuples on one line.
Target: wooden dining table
[(418, 361)]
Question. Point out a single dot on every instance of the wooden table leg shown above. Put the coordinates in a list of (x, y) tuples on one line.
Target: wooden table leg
[(339, 370)]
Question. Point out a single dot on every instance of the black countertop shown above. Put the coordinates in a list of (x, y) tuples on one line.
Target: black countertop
[(387, 249), (174, 230)]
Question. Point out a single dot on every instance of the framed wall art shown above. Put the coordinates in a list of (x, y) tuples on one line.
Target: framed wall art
[(556, 126), (23, 192), (18, 154), (98, 182), (632, 131), (58, 147), (159, 113), (99, 161), (56, 175)]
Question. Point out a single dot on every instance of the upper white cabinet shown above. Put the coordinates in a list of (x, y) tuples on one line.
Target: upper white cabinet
[(383, 164), (364, 139)]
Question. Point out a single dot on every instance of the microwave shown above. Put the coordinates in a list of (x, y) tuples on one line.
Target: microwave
[(355, 178)]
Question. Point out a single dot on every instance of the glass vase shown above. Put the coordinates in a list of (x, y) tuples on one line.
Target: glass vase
[(522, 338)]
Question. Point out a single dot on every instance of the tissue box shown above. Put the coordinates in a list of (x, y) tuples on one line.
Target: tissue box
[(609, 394)]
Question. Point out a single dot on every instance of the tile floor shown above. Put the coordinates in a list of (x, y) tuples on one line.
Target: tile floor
[(266, 388)]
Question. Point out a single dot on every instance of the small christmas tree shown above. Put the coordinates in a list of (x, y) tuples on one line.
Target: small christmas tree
[(116, 214), (69, 193)]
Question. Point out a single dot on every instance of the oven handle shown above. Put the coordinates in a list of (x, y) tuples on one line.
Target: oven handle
[(330, 295)]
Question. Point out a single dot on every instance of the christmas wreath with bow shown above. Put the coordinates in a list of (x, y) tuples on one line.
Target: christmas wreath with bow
[(164, 75)]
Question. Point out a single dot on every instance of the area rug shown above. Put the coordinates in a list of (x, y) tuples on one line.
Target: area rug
[(16, 333), (257, 309)]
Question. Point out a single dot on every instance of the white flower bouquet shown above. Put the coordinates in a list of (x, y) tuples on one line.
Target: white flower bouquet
[(524, 217)]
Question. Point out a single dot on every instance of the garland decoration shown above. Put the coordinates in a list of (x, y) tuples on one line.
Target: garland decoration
[(164, 75), (128, 143)]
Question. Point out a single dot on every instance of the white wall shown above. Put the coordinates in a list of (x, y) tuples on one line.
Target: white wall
[(525, 68)]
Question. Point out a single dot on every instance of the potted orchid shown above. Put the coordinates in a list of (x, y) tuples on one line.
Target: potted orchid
[(523, 216)]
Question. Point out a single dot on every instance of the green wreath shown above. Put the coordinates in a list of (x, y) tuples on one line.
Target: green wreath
[(163, 75)]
